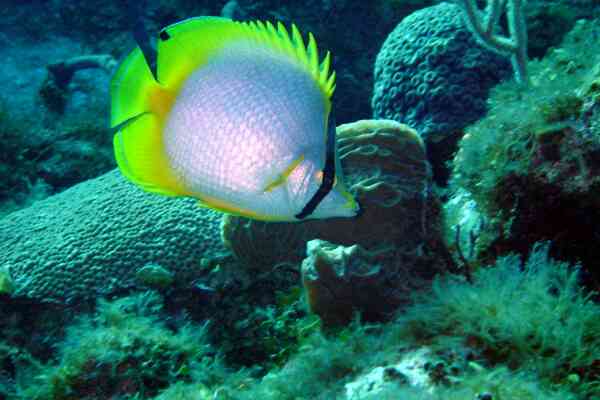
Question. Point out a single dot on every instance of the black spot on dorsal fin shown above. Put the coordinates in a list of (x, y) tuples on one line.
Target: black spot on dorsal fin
[(164, 35)]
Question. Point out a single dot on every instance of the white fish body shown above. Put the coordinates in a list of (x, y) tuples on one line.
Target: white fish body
[(246, 132)]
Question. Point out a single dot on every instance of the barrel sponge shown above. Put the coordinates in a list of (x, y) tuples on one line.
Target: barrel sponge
[(93, 238), (432, 75)]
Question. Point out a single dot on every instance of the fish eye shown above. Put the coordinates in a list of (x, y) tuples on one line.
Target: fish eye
[(319, 175)]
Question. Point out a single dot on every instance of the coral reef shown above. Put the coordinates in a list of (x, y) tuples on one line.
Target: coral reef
[(181, 391), (485, 27), (54, 89), (262, 333), (227, 308), (44, 152), (33, 166), (93, 238), (517, 331), (62, 72), (520, 330), (432, 75), (548, 21), (532, 316), (531, 166), (17, 169), (6, 282)]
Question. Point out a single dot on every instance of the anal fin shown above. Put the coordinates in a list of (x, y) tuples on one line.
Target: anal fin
[(140, 155)]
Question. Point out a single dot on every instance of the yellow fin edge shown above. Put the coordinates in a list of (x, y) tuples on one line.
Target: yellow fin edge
[(223, 206), (140, 157), (307, 56)]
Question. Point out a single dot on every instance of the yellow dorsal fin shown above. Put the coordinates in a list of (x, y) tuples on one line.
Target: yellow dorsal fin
[(186, 45)]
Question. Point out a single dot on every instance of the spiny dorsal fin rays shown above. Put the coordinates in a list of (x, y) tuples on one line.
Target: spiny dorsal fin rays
[(330, 84), (313, 55), (287, 44), (299, 42), (325, 65), (188, 45), (293, 45)]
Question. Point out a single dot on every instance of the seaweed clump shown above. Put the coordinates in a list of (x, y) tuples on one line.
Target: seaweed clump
[(34, 165), (125, 350), (530, 167), (519, 330), (264, 334), (531, 317)]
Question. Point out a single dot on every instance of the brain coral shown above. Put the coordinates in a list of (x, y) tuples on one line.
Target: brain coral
[(92, 239), (386, 169), (432, 75)]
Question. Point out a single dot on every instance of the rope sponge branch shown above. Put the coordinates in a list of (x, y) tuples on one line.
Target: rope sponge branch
[(484, 25)]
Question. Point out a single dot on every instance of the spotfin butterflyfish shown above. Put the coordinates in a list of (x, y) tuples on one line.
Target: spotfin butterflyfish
[(237, 115)]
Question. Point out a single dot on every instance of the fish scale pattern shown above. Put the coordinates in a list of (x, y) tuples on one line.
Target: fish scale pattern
[(93, 238), (228, 138), (432, 75)]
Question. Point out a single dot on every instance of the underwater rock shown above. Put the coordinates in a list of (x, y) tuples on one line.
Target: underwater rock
[(532, 165), (30, 132), (386, 170), (62, 72), (54, 90), (340, 281), (409, 371), (91, 239)]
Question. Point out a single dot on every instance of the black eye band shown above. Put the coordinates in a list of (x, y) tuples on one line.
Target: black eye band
[(328, 173)]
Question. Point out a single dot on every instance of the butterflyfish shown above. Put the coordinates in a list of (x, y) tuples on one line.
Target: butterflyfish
[(237, 115)]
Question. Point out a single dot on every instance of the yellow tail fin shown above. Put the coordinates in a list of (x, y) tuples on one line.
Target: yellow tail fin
[(139, 105)]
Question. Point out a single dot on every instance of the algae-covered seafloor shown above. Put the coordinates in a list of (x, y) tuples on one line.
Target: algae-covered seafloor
[(471, 272)]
